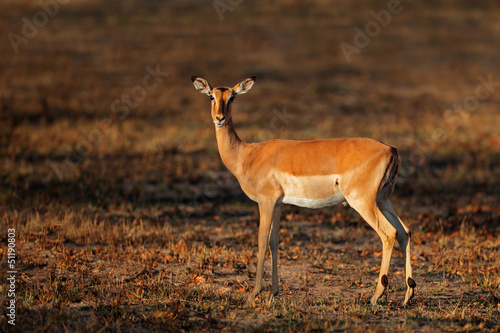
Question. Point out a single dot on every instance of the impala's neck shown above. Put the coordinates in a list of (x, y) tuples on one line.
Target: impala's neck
[(230, 146)]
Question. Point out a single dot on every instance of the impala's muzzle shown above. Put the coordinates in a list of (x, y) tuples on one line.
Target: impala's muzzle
[(220, 121)]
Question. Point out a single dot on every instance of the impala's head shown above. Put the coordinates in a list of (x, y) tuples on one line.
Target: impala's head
[(222, 97)]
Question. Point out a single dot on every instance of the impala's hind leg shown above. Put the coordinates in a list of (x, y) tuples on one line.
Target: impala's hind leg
[(369, 210), (274, 241), (403, 236)]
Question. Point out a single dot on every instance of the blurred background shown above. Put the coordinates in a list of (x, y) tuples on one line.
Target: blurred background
[(98, 112), (126, 219)]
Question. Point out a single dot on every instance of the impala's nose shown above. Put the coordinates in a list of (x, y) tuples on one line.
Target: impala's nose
[(220, 121)]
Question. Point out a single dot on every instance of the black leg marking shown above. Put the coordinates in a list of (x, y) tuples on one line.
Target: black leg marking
[(411, 283), (385, 281)]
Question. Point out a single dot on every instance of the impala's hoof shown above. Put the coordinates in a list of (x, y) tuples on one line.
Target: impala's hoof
[(250, 303), (251, 298), (410, 292), (405, 302), (270, 298)]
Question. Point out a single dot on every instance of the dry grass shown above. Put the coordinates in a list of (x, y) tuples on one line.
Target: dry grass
[(130, 222)]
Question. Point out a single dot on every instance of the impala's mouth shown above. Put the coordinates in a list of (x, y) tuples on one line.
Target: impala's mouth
[(220, 121)]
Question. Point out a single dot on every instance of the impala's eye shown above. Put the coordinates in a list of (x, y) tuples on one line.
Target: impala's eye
[(231, 99), (212, 97)]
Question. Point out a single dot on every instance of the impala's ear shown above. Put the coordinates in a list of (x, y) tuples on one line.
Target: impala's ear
[(244, 86), (201, 85)]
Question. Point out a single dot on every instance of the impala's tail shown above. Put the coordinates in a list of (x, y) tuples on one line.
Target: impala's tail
[(391, 173)]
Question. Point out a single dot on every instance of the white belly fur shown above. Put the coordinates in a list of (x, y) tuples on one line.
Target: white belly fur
[(314, 203), (310, 191)]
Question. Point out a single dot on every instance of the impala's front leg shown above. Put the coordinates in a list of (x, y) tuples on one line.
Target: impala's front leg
[(274, 241), (266, 214)]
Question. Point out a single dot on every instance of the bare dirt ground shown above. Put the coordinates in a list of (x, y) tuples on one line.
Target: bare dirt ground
[(126, 219)]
